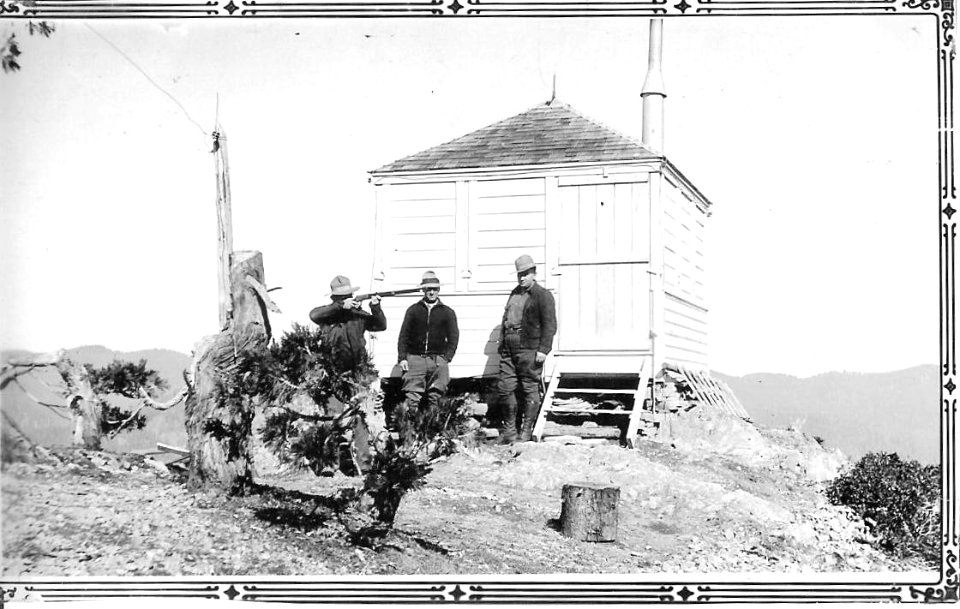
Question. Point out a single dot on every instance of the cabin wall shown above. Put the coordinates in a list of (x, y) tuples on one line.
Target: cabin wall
[(587, 227), (478, 317), (469, 230), (685, 330)]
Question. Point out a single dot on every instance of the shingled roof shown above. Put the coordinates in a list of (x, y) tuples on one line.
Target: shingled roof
[(548, 134)]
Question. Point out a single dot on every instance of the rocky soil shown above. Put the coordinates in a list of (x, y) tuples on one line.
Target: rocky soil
[(717, 496)]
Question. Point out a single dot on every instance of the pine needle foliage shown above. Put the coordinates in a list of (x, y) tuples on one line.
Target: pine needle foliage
[(125, 378), (899, 499), (312, 405), (121, 379), (308, 432), (238, 391)]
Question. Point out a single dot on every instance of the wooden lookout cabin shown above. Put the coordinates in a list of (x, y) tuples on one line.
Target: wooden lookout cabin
[(616, 229)]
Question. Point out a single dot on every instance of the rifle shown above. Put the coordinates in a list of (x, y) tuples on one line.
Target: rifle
[(362, 297)]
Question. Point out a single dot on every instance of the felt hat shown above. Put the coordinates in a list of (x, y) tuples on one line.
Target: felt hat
[(429, 280), (525, 263), (340, 286)]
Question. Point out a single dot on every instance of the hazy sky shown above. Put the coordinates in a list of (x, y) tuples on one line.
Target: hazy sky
[(816, 140)]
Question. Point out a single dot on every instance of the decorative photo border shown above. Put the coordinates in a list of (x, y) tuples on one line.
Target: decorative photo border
[(642, 588)]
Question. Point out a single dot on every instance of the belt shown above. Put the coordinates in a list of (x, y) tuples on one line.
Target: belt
[(511, 330), (426, 354)]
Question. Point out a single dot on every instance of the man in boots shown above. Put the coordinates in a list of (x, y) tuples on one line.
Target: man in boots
[(526, 337), (428, 341), (342, 326)]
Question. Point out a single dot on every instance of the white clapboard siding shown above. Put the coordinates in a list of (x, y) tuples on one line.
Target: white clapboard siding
[(422, 191), (419, 233), (683, 239), (506, 219), (686, 334), (478, 318)]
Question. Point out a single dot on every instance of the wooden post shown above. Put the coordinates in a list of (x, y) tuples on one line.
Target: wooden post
[(224, 224), (589, 511)]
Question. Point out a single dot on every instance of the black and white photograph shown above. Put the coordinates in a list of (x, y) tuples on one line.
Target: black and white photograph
[(436, 302)]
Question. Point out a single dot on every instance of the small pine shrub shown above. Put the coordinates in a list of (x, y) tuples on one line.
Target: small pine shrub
[(309, 434), (899, 499)]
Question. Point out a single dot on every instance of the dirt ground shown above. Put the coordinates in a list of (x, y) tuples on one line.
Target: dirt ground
[(485, 510)]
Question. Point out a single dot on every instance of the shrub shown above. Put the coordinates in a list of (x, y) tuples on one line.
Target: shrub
[(308, 433), (899, 500)]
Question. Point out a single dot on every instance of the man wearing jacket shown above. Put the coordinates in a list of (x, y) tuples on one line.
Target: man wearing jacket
[(526, 337), (427, 343), (342, 326)]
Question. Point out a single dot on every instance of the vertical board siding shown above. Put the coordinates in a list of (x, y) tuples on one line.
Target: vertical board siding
[(478, 317), (603, 299), (507, 218), (420, 233)]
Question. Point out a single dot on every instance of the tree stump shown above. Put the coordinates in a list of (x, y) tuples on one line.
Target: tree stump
[(226, 462), (589, 511)]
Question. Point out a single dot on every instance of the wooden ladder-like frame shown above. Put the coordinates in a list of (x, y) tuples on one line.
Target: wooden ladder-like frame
[(639, 393)]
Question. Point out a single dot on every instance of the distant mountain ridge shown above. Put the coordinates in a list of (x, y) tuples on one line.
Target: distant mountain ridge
[(855, 412)]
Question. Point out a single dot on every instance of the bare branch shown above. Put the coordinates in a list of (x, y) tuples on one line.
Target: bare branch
[(117, 429), (148, 402), (261, 291), (52, 407), (151, 403), (37, 361), (17, 429)]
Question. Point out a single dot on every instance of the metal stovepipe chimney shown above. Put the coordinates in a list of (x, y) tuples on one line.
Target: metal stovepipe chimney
[(654, 93)]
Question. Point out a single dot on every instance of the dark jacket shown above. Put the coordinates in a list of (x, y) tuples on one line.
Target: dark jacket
[(539, 324), (424, 331), (343, 330)]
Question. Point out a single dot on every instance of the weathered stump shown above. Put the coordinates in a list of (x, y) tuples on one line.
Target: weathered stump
[(84, 406), (589, 511), (220, 459)]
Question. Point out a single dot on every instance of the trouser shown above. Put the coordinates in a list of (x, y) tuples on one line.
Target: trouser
[(428, 374), (366, 433), (518, 367)]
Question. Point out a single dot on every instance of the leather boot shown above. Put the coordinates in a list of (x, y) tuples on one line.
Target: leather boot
[(530, 412), (508, 412)]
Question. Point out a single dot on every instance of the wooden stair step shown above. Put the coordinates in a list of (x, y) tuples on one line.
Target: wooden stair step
[(561, 409), (595, 391), (599, 431)]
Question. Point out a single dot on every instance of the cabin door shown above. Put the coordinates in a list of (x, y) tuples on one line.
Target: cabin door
[(604, 289)]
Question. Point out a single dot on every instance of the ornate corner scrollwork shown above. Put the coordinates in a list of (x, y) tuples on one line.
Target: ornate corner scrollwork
[(947, 590), (922, 4), (12, 7), (6, 594)]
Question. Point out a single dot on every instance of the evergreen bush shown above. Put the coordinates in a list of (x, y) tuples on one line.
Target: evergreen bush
[(899, 500), (307, 433)]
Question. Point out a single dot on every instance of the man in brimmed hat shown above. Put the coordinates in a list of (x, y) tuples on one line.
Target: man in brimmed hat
[(526, 337), (342, 326), (342, 322), (428, 341)]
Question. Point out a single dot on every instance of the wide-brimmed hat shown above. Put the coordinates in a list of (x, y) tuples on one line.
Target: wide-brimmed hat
[(340, 286), (525, 263), (429, 280)]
